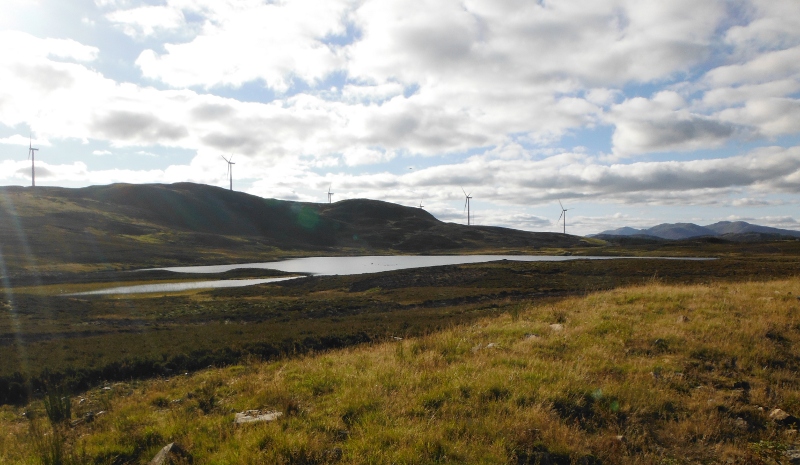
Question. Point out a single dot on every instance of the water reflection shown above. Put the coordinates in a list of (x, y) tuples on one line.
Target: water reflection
[(177, 287), (327, 266)]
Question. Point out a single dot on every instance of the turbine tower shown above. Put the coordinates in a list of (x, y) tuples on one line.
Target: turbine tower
[(230, 169), (564, 214), (330, 194), (420, 202), (32, 156), (466, 203)]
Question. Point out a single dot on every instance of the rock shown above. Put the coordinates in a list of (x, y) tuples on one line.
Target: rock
[(492, 345), (557, 327), (683, 319), (171, 454), (741, 423), (531, 337), (793, 455), (782, 418), (251, 416)]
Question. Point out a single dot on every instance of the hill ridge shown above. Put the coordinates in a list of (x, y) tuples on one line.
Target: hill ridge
[(678, 231), (185, 223)]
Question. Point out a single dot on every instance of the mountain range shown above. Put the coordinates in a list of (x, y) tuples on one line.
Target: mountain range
[(726, 229)]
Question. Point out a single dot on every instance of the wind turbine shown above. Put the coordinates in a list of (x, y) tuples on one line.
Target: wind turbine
[(466, 203), (32, 156), (230, 169), (420, 202), (564, 214), (330, 194)]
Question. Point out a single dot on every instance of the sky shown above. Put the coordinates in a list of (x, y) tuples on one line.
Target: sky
[(628, 112)]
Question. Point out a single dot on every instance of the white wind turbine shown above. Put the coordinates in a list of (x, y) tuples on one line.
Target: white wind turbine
[(330, 194), (32, 156), (230, 169), (466, 203), (563, 214), (420, 202)]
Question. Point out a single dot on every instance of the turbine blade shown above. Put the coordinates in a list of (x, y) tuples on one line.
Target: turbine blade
[(560, 204), (465, 192)]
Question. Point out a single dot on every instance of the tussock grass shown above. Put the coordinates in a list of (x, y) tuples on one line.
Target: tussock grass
[(649, 374)]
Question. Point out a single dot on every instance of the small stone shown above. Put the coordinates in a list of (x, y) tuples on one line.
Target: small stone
[(397, 338), (492, 345), (793, 455), (557, 327), (531, 337), (683, 319), (782, 418), (741, 423), (251, 416), (171, 453), (620, 438)]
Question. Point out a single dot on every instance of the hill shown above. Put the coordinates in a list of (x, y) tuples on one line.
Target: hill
[(652, 374), (124, 226), (739, 231)]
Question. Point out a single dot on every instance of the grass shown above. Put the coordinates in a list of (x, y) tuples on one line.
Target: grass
[(653, 373), (82, 341)]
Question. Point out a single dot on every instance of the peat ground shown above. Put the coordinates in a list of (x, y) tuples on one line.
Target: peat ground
[(79, 342)]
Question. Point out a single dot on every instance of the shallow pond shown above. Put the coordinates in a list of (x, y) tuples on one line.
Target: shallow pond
[(177, 287), (329, 266)]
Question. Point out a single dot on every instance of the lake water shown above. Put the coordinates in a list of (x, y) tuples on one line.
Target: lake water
[(177, 287), (330, 266)]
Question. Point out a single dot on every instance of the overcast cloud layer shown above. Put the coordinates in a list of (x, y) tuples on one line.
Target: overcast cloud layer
[(631, 112)]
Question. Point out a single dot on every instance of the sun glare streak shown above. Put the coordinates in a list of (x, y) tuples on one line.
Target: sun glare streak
[(22, 353)]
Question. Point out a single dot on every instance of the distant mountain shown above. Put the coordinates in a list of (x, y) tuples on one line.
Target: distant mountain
[(679, 231), (735, 230), (741, 227), (626, 231)]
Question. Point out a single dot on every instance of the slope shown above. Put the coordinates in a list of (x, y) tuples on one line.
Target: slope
[(125, 226)]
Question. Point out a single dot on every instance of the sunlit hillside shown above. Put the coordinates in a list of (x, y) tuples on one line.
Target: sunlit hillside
[(646, 374)]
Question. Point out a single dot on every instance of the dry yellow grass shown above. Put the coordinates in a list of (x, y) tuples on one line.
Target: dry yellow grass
[(651, 374)]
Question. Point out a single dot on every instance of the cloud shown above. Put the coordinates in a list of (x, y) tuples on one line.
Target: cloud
[(290, 41), (29, 47), (18, 139), (100, 153), (770, 116), (146, 20), (665, 123), (132, 126), (366, 156)]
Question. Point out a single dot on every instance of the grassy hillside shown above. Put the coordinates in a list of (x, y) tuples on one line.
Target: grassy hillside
[(81, 341), (122, 226), (661, 374)]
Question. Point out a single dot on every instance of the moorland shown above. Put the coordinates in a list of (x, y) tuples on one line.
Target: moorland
[(621, 361)]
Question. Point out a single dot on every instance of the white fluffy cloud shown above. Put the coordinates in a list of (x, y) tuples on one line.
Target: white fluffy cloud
[(525, 101)]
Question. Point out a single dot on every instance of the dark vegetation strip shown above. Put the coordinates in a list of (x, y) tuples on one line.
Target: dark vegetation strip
[(80, 342)]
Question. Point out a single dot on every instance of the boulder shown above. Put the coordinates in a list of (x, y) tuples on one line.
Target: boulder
[(782, 418), (252, 416), (557, 327)]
